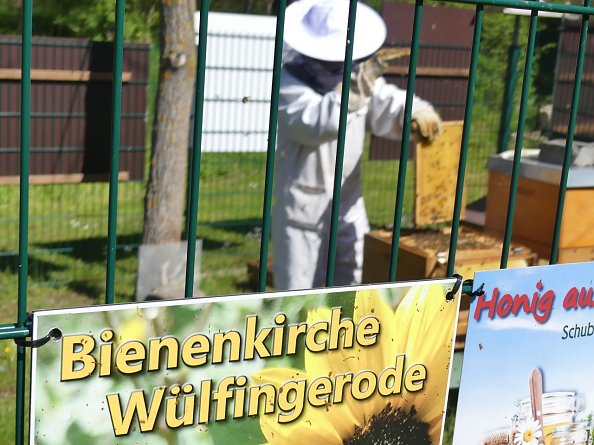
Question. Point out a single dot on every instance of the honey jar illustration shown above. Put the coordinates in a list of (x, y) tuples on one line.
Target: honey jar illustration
[(548, 418)]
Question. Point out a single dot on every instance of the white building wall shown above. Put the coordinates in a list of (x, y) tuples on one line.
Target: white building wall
[(238, 81)]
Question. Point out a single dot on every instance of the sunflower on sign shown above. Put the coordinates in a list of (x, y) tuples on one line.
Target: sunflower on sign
[(421, 327)]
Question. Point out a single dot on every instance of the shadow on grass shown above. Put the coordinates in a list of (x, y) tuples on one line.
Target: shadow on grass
[(88, 288), (214, 236), (94, 250), (227, 233), (79, 265), (39, 269), (76, 265)]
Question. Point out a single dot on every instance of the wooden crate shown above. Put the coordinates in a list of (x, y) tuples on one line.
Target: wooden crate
[(417, 259), (253, 272), (534, 216)]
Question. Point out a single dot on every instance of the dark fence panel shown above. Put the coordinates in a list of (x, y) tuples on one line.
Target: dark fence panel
[(444, 60), (70, 109)]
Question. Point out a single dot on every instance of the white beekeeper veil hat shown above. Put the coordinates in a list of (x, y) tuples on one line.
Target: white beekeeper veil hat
[(318, 29)]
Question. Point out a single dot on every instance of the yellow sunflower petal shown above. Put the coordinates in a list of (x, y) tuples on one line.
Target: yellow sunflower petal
[(381, 355), (430, 332), (434, 430), (323, 425), (331, 424), (315, 430), (326, 362), (330, 364), (277, 376), (406, 312)]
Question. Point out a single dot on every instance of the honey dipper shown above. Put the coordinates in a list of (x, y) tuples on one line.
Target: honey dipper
[(536, 398)]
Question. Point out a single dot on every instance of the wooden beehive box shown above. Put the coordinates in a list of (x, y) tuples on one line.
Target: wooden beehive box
[(534, 218), (424, 254)]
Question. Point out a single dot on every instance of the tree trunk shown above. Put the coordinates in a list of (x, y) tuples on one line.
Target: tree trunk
[(166, 189)]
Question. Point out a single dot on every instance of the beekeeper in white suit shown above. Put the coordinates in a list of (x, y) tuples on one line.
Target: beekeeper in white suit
[(308, 120)]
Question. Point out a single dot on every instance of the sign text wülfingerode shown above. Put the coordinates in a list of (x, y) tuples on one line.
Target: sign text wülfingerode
[(85, 356)]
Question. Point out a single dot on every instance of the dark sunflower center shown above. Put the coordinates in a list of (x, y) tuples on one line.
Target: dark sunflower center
[(392, 427)]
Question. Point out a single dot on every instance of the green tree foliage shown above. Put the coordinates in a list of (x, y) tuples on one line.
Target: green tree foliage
[(94, 19), (496, 39), (547, 43), (241, 6), (87, 19)]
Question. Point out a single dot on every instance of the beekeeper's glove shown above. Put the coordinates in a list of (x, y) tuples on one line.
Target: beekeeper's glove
[(426, 123), (363, 80), (362, 84)]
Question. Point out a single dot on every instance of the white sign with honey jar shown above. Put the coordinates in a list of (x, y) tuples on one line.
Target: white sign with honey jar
[(527, 370)]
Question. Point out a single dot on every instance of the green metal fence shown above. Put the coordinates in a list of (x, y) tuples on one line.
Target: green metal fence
[(20, 328), (68, 222)]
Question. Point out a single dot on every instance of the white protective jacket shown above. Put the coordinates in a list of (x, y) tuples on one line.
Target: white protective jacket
[(305, 163)]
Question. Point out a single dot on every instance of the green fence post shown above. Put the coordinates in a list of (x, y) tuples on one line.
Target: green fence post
[(112, 221), (344, 103), (194, 188), (519, 138), (410, 91), (476, 43), (27, 22), (270, 152), (577, 83), (511, 79)]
